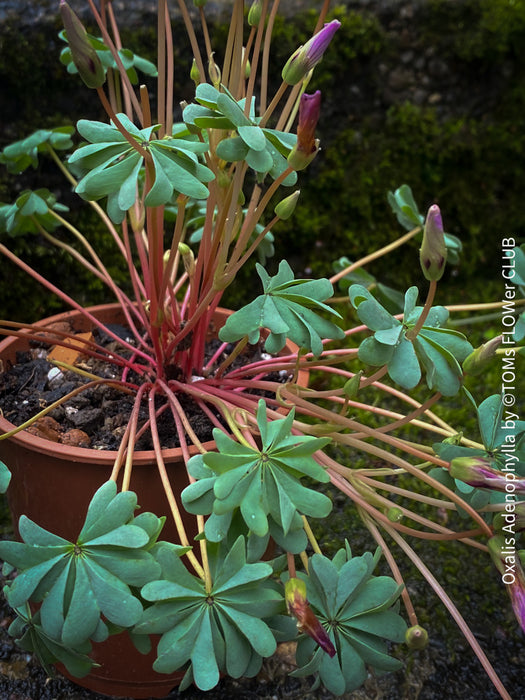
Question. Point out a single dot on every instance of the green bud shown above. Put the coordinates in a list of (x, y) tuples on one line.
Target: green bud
[(247, 65), (433, 252), (286, 206), (84, 56), (351, 387), (394, 514), (188, 258), (479, 359), (416, 637), (195, 73), (454, 439), (214, 72), (199, 3), (254, 13)]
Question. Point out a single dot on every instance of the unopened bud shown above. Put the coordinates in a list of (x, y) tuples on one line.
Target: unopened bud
[(307, 622), (188, 259), (246, 63), (254, 13), (351, 387), (394, 514), (433, 252), (214, 72), (83, 53), (307, 145), (195, 74), (302, 61), (479, 359), (476, 471), (286, 206), (199, 3), (416, 637)]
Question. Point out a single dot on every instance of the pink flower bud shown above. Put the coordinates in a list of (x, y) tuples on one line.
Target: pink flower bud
[(308, 56), (307, 622), (476, 471), (478, 360), (307, 145), (433, 252)]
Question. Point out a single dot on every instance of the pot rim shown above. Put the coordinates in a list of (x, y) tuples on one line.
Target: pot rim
[(79, 454)]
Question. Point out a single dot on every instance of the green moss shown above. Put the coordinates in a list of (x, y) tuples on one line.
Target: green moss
[(471, 164), (476, 30)]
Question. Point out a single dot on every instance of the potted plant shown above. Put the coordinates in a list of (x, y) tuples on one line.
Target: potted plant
[(191, 580)]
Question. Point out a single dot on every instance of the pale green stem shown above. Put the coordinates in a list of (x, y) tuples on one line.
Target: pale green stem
[(255, 57), (192, 38), (161, 66), (266, 56), (454, 612), (118, 46), (170, 74), (482, 306), (369, 523), (375, 255), (123, 75), (414, 471)]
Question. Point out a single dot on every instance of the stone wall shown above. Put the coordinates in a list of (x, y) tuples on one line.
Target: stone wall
[(428, 92)]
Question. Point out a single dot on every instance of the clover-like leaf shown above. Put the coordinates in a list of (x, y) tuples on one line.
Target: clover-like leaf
[(130, 61), (30, 636), (436, 349), (264, 150), (111, 167), (30, 213), (18, 156), (359, 613), (84, 586), (264, 485), (405, 208), (221, 630), (499, 429), (407, 213), (288, 309)]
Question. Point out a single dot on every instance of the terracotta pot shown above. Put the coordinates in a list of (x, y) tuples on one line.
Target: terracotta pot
[(52, 484)]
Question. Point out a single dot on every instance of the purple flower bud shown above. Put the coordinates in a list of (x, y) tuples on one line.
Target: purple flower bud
[(83, 54), (476, 471), (307, 622), (433, 252), (307, 145), (478, 360), (308, 56)]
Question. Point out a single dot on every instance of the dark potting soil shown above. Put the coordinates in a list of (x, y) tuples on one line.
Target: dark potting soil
[(97, 416)]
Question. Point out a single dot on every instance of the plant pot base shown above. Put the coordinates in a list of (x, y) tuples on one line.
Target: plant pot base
[(125, 672)]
